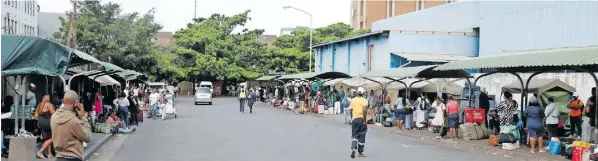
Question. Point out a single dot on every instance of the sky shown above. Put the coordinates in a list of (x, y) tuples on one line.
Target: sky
[(265, 14)]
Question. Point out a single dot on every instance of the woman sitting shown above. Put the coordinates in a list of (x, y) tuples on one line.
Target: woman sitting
[(117, 126)]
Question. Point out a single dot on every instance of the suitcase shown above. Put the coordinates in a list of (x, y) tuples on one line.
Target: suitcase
[(475, 115), (140, 116)]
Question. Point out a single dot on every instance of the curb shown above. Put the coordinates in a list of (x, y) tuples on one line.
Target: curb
[(456, 144), (88, 152)]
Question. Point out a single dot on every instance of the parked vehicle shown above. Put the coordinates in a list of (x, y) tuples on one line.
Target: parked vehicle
[(206, 84), (203, 95)]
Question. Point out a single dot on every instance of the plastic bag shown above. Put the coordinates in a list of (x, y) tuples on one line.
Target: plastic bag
[(555, 147)]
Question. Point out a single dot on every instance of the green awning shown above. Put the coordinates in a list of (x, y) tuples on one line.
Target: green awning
[(295, 76), (33, 55), (111, 67), (531, 60), (267, 77), (81, 58), (416, 72), (324, 75)]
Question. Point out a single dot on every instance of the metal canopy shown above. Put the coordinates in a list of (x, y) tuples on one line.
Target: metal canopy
[(267, 77), (553, 59), (539, 86), (416, 72), (324, 75)]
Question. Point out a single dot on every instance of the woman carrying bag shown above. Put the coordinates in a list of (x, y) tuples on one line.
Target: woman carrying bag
[(43, 113)]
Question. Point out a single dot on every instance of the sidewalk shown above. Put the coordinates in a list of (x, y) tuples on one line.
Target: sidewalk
[(97, 140), (522, 153)]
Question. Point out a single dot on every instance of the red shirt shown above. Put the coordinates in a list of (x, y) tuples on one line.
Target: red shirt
[(452, 107)]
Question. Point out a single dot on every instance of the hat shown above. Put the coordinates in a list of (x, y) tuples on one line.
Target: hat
[(360, 90), (32, 85), (575, 94), (533, 99), (484, 90)]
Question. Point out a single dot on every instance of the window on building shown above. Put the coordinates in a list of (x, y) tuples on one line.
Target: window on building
[(419, 5), (361, 6)]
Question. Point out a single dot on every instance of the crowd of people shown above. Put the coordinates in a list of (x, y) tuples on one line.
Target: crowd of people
[(440, 116), (65, 125)]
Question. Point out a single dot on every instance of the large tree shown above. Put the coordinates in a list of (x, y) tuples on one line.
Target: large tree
[(208, 49), (292, 51), (124, 39)]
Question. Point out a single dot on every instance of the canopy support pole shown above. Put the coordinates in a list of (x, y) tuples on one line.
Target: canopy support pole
[(595, 94), (523, 95), (23, 99), (378, 118), (472, 86), (17, 103)]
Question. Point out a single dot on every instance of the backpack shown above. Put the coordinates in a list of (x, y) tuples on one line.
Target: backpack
[(345, 102)]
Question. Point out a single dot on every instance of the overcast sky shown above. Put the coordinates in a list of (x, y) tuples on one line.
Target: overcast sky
[(265, 14)]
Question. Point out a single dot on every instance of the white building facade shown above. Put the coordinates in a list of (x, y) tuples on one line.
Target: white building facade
[(20, 17)]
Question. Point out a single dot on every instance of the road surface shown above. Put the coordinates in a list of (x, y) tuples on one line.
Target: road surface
[(221, 133)]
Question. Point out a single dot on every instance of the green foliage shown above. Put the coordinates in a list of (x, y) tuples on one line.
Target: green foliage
[(207, 48), (292, 51), (124, 39)]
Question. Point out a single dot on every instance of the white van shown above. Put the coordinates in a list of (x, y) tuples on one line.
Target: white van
[(207, 84)]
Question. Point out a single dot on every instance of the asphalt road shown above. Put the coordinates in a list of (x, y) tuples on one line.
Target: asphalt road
[(221, 133)]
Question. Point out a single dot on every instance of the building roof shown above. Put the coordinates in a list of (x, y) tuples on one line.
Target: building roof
[(416, 72), (531, 60), (375, 33), (431, 57)]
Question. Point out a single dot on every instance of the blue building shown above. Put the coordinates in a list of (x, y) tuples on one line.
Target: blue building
[(460, 30)]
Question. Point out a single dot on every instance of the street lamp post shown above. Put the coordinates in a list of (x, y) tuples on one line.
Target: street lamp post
[(310, 32)]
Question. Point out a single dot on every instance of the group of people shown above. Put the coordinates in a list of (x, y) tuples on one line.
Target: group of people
[(66, 128)]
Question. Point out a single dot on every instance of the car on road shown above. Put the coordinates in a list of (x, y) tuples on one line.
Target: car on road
[(203, 95)]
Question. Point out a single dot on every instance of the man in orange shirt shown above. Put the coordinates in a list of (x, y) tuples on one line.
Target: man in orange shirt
[(575, 116)]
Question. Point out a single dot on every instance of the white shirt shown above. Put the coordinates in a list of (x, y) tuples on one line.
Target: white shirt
[(126, 92), (136, 92), (121, 102), (154, 97)]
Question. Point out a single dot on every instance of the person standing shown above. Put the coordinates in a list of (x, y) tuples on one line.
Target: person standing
[(575, 115), (421, 107), (535, 114), (358, 108), (242, 99), (438, 120), (590, 108), (122, 105), (69, 131), (133, 108), (485, 104), (452, 108), (552, 118), (251, 96), (43, 114), (154, 98), (401, 112), (507, 110)]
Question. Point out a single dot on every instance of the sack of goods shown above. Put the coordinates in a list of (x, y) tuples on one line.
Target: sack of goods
[(510, 146), (387, 124), (472, 131), (507, 138)]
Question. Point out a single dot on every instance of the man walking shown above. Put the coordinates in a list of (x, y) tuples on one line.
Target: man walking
[(358, 125), (69, 131), (154, 98), (242, 99), (251, 96)]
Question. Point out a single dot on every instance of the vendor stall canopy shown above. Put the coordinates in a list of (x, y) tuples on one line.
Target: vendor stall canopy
[(416, 72), (527, 61), (267, 77), (311, 76), (539, 86), (22, 54), (104, 80)]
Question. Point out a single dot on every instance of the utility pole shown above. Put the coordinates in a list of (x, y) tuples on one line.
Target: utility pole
[(72, 33), (195, 10)]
